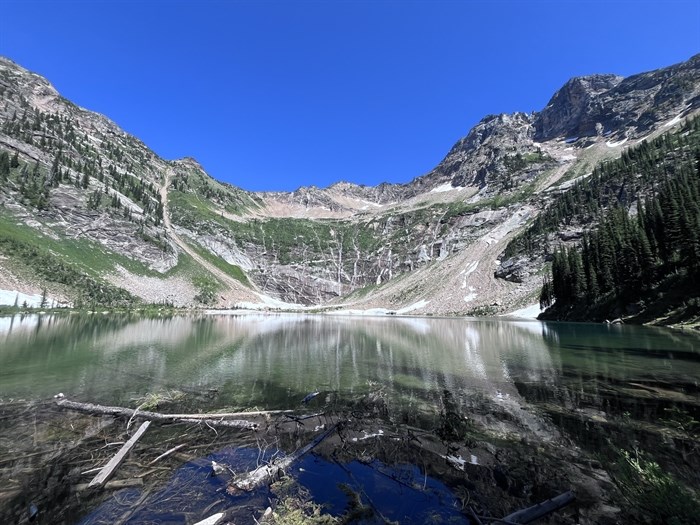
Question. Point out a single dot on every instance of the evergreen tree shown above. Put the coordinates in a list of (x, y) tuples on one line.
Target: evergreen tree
[(4, 165), (547, 293)]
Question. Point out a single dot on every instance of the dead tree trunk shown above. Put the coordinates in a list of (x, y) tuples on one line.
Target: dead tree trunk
[(155, 416), (266, 474), (540, 510)]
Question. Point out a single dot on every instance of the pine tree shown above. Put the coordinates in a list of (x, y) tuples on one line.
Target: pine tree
[(546, 294), (4, 165)]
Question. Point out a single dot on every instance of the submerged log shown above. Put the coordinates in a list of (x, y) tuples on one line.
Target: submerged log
[(156, 416), (167, 453), (113, 485), (231, 423), (116, 460), (540, 510), (266, 474)]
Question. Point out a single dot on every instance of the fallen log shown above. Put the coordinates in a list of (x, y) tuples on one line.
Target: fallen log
[(540, 510), (232, 423), (155, 416), (116, 460), (213, 415), (266, 474)]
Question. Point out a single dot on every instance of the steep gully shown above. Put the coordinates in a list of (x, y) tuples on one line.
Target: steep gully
[(235, 290)]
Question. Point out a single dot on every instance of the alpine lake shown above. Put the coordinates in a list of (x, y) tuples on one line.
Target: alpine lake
[(414, 420)]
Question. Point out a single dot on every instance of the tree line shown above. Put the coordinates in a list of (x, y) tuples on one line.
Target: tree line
[(634, 249), (621, 182)]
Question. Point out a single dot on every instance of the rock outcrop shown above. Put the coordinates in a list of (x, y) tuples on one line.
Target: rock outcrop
[(613, 105)]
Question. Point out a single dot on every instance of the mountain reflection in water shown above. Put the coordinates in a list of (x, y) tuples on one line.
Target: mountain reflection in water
[(476, 382), (273, 361)]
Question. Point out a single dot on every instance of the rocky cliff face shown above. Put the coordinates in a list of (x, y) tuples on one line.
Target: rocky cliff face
[(627, 107), (166, 231)]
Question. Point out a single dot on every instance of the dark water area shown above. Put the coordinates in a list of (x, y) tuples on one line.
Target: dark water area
[(597, 389), (399, 493)]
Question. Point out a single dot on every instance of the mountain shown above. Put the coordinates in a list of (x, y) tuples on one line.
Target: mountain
[(90, 216)]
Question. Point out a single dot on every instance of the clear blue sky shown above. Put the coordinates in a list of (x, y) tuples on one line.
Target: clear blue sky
[(279, 94)]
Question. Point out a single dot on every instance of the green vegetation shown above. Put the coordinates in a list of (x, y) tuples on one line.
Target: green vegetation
[(188, 209), (192, 181), (231, 270), (292, 240), (619, 182), (117, 162), (628, 259), (296, 507), (654, 492), (519, 162), (50, 269), (207, 286), (72, 263)]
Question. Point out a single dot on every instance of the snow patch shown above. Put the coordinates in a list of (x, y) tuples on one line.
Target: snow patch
[(468, 270), (675, 120), (8, 297), (568, 157), (415, 306), (370, 312), (610, 144), (446, 187), (529, 312), (270, 302), (471, 295)]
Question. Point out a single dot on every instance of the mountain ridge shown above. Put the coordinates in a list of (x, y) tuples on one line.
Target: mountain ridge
[(431, 242)]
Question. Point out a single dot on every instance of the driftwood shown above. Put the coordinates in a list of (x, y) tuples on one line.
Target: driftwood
[(474, 515), (216, 415), (113, 485), (232, 423), (155, 416), (540, 510), (266, 474), (211, 520), (116, 460), (166, 453)]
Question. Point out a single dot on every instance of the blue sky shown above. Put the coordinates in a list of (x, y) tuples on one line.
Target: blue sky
[(273, 95)]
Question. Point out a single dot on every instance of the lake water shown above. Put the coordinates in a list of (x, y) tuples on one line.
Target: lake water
[(545, 379), (273, 361)]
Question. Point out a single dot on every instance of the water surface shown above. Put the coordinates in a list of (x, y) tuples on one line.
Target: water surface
[(273, 361), (546, 383)]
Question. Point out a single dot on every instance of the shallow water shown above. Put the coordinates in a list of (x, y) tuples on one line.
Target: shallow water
[(545, 380)]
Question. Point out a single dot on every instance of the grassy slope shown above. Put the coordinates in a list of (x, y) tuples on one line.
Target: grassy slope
[(72, 265)]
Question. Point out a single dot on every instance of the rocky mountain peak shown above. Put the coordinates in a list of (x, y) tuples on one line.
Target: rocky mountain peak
[(610, 104), (190, 162), (571, 103), (478, 156)]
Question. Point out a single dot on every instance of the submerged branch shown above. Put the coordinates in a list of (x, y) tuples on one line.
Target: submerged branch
[(156, 416)]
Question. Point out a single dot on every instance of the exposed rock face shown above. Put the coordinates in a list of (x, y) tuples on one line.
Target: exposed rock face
[(430, 245), (609, 104), (478, 157), (514, 270), (574, 109)]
